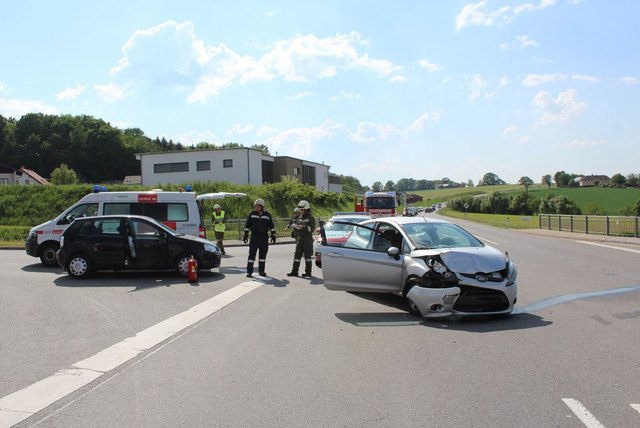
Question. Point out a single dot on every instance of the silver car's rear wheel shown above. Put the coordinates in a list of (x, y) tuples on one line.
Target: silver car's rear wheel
[(79, 266)]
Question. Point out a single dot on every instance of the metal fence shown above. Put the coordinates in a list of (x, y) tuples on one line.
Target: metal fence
[(592, 224)]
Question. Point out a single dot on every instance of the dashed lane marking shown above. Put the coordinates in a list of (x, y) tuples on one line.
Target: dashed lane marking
[(24, 403), (636, 407), (582, 413)]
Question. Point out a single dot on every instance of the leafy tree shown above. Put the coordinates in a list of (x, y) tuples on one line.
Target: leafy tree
[(619, 180), (558, 205), (263, 148), (495, 203), (470, 183), (526, 182), (376, 186), (633, 180), (523, 203), (389, 185), (406, 185), (351, 184), (637, 208), (63, 175), (491, 179), (561, 178), (547, 180)]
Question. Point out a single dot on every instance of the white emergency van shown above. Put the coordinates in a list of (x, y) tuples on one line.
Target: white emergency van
[(182, 211)]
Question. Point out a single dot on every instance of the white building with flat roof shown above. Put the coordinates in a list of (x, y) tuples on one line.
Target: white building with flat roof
[(235, 165)]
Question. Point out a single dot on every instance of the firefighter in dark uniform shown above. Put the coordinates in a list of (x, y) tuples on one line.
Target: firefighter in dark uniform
[(305, 226), (260, 225)]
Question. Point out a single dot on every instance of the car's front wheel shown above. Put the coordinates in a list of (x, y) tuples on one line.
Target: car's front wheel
[(48, 255), (79, 266), (182, 264)]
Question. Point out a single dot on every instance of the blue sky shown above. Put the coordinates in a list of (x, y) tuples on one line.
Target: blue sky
[(379, 90)]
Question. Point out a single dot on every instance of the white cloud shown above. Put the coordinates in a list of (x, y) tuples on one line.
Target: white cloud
[(110, 93), (479, 88), (346, 96), (540, 79), (300, 95), (524, 140), (474, 13), (557, 110), (18, 108), (504, 81), (504, 46), (371, 132), (398, 78), (430, 67), (629, 80), (299, 142), (71, 93), (582, 144), (239, 129), (525, 41), (192, 138), (510, 130), (266, 130), (206, 70), (2, 86)]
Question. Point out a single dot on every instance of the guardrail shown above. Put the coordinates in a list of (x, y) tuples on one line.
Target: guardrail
[(591, 224)]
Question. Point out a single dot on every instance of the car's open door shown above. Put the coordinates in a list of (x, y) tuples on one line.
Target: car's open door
[(213, 196)]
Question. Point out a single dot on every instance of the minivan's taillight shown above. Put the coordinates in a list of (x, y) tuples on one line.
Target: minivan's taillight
[(202, 233)]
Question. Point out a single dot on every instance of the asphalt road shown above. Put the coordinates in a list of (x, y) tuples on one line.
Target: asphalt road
[(288, 352)]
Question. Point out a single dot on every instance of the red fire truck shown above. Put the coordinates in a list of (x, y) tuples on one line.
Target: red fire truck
[(377, 204)]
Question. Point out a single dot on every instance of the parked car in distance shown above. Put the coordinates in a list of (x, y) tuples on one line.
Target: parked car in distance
[(337, 230), (130, 242), (439, 267)]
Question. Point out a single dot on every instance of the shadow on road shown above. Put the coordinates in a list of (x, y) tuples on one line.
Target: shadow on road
[(472, 324), (140, 280)]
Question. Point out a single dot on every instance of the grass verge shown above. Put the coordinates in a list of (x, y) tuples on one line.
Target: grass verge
[(504, 221)]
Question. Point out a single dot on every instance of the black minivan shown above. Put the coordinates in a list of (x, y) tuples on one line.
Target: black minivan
[(130, 242)]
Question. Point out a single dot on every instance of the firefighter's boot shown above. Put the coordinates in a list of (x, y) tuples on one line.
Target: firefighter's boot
[(295, 268), (307, 269), (261, 271), (249, 270)]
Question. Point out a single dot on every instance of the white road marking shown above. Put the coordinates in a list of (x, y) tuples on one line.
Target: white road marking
[(582, 413), (22, 404), (552, 301), (636, 407), (610, 246), (487, 240)]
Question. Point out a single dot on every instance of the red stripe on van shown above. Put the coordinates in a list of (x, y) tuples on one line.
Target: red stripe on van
[(148, 198), (171, 224)]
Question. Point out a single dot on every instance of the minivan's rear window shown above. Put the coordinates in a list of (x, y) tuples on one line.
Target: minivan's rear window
[(160, 211)]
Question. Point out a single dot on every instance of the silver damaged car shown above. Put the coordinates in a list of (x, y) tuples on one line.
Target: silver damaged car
[(438, 266)]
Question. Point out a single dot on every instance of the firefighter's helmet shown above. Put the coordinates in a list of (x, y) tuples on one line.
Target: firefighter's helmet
[(304, 205), (259, 201)]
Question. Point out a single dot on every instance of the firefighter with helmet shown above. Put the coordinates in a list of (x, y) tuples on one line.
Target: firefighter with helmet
[(305, 226), (259, 225), (219, 227)]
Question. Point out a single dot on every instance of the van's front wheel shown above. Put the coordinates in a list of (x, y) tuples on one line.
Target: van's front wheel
[(48, 255)]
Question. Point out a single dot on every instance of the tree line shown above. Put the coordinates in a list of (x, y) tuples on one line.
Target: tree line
[(93, 149)]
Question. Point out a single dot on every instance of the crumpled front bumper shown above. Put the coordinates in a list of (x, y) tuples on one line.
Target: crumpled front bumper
[(434, 302)]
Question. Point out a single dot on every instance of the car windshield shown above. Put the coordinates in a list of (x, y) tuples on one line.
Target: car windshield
[(381, 202), (338, 224), (439, 235)]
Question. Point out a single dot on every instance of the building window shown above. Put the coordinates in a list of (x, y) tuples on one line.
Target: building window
[(203, 166), (160, 168), (296, 170), (4, 181), (227, 163), (309, 175)]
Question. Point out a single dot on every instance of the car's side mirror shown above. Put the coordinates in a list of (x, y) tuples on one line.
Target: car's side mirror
[(394, 252)]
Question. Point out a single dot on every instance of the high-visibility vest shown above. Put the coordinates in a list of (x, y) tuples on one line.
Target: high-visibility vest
[(220, 227)]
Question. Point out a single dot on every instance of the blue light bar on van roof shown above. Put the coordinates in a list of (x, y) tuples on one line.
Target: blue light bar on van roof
[(188, 188)]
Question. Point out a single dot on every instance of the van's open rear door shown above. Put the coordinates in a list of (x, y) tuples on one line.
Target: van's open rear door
[(212, 196)]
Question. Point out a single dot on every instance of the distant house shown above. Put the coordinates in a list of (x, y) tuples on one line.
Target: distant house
[(593, 180), (21, 176)]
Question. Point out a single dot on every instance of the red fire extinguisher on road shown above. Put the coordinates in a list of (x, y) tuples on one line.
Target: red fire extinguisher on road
[(192, 268)]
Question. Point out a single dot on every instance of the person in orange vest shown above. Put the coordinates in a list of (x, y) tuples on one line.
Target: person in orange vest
[(219, 227)]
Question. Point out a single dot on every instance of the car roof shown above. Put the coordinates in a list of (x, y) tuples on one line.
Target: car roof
[(399, 220), (114, 216)]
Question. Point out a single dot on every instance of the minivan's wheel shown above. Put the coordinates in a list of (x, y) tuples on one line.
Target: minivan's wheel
[(48, 255), (79, 266), (182, 264)]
